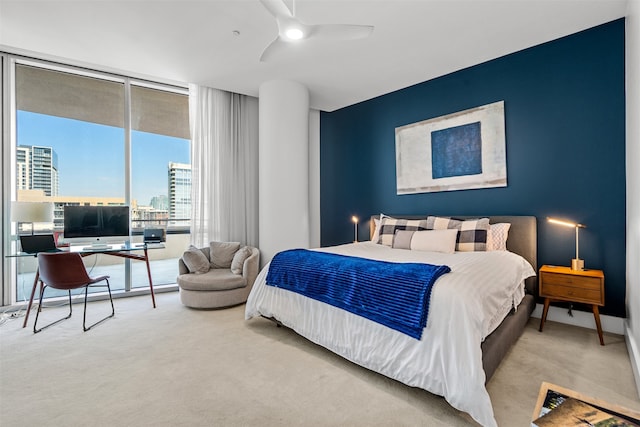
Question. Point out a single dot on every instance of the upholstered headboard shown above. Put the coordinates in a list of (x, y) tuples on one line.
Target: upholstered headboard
[(522, 238)]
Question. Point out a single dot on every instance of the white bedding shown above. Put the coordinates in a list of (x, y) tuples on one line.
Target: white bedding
[(466, 305)]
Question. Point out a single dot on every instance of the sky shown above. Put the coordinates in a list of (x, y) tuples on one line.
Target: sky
[(91, 156)]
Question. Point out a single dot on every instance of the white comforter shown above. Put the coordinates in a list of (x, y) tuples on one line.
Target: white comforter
[(466, 305)]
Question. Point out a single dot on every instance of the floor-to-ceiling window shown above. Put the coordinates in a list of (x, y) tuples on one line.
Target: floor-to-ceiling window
[(82, 137), (159, 138)]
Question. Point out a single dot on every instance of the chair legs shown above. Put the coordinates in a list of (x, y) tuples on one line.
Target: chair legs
[(35, 323), (84, 318)]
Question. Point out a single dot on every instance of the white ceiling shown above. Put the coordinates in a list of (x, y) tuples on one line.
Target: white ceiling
[(193, 41)]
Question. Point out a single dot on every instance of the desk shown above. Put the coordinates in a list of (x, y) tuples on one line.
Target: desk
[(126, 250)]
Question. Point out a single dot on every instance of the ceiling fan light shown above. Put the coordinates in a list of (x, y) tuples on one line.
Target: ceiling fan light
[(294, 33)]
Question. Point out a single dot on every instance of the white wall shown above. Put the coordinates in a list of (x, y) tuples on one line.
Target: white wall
[(314, 178), (283, 167), (632, 332)]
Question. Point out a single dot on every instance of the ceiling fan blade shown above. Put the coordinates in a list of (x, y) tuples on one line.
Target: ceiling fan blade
[(291, 31), (341, 31), (273, 49), (277, 8)]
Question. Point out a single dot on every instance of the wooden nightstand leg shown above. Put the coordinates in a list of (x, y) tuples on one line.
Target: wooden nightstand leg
[(544, 313), (596, 315)]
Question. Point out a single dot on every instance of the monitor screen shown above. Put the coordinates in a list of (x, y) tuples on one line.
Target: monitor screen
[(92, 223)]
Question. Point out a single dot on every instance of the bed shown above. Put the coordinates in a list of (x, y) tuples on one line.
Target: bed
[(463, 341)]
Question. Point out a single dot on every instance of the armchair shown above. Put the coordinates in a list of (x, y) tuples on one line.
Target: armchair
[(217, 287)]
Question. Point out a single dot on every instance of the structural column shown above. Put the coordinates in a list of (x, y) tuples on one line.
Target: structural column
[(283, 167)]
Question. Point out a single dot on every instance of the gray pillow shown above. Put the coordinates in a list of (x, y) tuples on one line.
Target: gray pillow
[(222, 253), (195, 260), (239, 258), (402, 239)]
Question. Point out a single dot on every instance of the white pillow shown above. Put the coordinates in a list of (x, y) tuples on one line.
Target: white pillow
[(435, 240), (237, 263), (497, 236), (376, 231)]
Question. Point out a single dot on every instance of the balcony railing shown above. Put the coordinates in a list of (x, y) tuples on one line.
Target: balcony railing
[(163, 265)]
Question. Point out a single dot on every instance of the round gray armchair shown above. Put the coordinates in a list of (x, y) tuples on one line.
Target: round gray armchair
[(209, 282)]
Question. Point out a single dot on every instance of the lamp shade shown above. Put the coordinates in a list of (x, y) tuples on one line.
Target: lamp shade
[(565, 223), (31, 212)]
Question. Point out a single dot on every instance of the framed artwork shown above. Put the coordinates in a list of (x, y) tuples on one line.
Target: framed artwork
[(459, 151), (559, 406)]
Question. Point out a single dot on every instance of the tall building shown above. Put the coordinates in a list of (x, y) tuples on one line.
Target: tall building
[(160, 202), (37, 169), (179, 192)]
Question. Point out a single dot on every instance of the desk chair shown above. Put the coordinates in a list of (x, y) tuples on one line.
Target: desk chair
[(66, 271)]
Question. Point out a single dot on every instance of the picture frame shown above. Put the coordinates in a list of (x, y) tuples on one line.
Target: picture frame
[(550, 409), (459, 151)]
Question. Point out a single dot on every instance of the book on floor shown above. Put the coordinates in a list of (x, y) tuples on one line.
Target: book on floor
[(574, 412)]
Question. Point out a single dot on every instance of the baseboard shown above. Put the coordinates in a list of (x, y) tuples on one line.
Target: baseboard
[(634, 355), (611, 324)]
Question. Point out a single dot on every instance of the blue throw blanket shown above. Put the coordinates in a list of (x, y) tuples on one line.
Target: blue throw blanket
[(393, 294)]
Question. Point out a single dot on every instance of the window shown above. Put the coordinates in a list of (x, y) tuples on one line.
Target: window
[(89, 138), (159, 138)]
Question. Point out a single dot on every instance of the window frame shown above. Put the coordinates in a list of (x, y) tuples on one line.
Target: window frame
[(8, 116)]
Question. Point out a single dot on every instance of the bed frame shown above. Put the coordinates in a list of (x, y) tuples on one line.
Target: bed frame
[(522, 240)]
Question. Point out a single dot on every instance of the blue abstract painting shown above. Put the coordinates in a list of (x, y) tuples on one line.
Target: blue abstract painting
[(456, 151), (459, 151)]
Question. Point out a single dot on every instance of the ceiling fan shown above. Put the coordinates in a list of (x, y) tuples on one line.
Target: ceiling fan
[(292, 30)]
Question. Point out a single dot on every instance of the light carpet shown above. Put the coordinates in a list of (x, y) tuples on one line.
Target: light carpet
[(174, 366)]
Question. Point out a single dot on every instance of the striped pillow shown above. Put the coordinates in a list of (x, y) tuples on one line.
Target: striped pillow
[(388, 227), (472, 235)]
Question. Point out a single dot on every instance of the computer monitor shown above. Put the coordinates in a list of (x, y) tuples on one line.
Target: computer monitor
[(96, 225)]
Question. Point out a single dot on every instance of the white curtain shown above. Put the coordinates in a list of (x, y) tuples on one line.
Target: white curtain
[(224, 166)]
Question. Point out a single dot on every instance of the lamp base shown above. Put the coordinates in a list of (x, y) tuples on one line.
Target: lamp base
[(577, 264)]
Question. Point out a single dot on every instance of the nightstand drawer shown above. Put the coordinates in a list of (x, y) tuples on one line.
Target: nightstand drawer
[(571, 293), (592, 283)]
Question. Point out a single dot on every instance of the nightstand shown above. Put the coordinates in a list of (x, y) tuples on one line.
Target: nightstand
[(564, 284)]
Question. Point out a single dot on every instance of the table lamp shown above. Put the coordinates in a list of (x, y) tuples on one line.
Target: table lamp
[(577, 263), (354, 219), (31, 212)]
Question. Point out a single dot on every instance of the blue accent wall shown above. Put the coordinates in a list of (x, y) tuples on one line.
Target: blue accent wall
[(565, 142)]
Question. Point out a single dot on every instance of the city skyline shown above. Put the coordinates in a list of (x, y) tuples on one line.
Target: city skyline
[(91, 156)]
